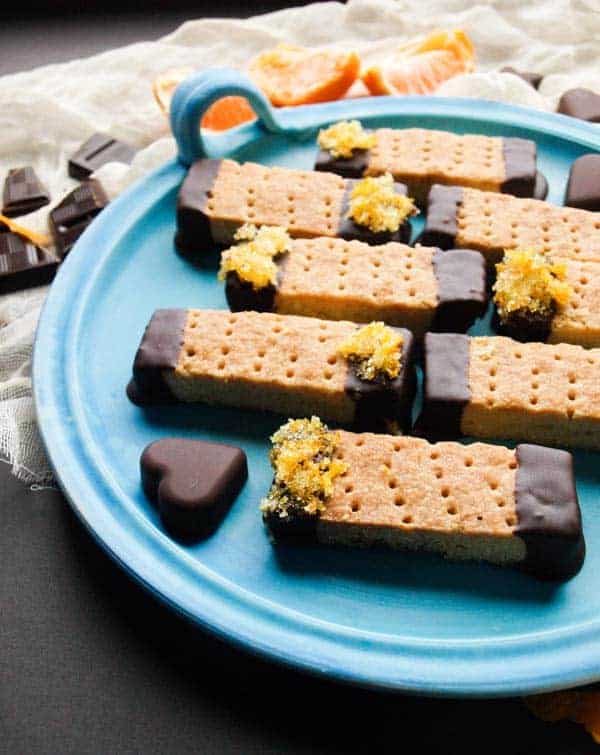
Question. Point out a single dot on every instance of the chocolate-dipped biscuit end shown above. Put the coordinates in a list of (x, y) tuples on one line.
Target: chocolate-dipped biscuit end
[(462, 292), (441, 224), (347, 167), (549, 519), (383, 403), (193, 225), (158, 351), (351, 231), (524, 325), (241, 295), (192, 483), (583, 187), (445, 385), (519, 167)]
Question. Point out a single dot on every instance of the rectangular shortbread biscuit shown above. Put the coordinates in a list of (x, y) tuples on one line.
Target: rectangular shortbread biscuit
[(270, 362), (419, 289), (578, 322), (421, 157), (499, 388), (484, 502), (492, 223), (218, 196)]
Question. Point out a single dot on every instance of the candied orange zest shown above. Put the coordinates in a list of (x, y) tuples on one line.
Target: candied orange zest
[(38, 239)]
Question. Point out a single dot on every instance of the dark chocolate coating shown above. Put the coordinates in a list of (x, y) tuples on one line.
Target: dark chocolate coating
[(192, 483), (70, 218), (549, 519), (350, 230), (23, 192), (23, 265), (445, 385), (519, 167), (533, 79), (524, 325), (580, 103), (159, 350), (98, 150), (462, 293), (440, 225), (242, 296), (383, 400), (347, 167), (193, 226), (297, 528), (583, 187), (541, 186)]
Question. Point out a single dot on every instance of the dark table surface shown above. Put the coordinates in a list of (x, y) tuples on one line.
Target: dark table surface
[(90, 663)]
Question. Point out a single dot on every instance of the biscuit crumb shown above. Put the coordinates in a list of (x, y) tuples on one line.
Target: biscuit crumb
[(253, 257), (528, 280), (374, 351), (302, 457), (343, 138), (375, 204)]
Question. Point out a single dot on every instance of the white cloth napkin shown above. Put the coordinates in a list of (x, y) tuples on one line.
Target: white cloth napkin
[(46, 113)]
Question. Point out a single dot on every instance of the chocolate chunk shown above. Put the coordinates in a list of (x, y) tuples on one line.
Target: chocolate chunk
[(524, 325), (549, 519), (350, 230), (192, 483), (23, 265), (440, 225), (96, 152), (583, 187), (540, 190), (461, 278), (193, 226), (580, 103), (23, 192), (382, 401), (347, 167), (445, 385), (70, 218), (519, 167), (533, 79), (158, 351)]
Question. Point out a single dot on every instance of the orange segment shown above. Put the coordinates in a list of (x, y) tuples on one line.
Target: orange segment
[(222, 114), (420, 66), (291, 75), (580, 706)]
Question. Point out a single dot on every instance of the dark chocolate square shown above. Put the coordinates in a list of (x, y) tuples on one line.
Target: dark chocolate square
[(70, 218), (22, 264), (583, 187), (96, 152), (580, 103), (23, 192)]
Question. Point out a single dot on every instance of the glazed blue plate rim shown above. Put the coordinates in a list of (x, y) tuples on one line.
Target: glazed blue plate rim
[(561, 658)]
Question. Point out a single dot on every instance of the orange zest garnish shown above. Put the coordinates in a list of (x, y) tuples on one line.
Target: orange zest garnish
[(291, 75), (36, 238), (420, 66), (222, 114)]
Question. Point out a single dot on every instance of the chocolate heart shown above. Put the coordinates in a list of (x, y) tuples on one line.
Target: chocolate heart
[(192, 483)]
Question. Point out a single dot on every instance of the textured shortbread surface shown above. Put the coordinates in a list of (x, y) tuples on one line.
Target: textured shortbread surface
[(493, 222), (455, 499), (350, 280), (307, 203), (281, 363), (545, 393), (420, 156), (579, 321)]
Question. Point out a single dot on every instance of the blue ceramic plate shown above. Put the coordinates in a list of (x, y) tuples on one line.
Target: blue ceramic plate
[(407, 622)]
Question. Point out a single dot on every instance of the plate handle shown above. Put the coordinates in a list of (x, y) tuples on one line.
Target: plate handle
[(194, 95)]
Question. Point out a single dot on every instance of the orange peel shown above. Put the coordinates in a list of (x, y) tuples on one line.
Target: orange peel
[(39, 239), (578, 705), (421, 65)]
